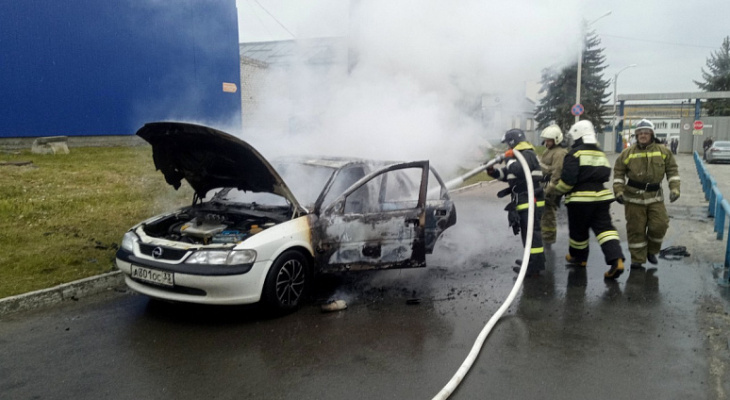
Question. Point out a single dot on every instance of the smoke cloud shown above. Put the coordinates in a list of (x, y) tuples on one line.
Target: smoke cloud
[(418, 69)]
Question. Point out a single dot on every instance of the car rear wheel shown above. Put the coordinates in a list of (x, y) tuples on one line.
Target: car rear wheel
[(287, 282)]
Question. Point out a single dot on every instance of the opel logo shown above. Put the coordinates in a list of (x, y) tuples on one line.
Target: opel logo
[(157, 252)]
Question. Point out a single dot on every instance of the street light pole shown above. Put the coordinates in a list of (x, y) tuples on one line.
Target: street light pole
[(580, 58), (615, 97)]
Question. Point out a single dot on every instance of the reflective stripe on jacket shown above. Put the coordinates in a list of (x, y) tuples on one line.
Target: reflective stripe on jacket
[(647, 165), (512, 171), (585, 170)]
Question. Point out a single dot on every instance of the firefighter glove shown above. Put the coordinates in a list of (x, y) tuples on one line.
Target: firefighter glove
[(553, 197), (620, 197), (673, 195), (513, 217)]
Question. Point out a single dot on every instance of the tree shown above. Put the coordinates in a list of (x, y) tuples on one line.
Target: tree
[(717, 79), (559, 89)]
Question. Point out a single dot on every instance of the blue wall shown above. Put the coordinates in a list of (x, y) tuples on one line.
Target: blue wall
[(106, 67)]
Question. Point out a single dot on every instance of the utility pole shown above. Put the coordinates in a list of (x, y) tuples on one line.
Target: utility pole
[(580, 58), (615, 97)]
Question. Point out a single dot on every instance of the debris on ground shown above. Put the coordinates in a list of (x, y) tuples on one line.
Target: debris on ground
[(674, 253), (334, 305), (15, 163)]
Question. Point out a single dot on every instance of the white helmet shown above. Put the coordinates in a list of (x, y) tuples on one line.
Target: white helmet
[(583, 130), (552, 132), (645, 124)]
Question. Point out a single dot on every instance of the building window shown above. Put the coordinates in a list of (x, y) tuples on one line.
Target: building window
[(675, 125)]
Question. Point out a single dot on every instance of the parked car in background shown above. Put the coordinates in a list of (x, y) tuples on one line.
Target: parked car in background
[(260, 231), (719, 152)]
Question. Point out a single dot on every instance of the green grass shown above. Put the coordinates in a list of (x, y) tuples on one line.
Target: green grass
[(62, 218)]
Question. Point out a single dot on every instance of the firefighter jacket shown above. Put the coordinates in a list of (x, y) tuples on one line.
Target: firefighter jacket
[(639, 172), (513, 175), (585, 170), (551, 163)]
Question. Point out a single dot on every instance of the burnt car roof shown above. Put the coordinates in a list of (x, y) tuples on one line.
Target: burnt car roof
[(334, 162), (208, 159)]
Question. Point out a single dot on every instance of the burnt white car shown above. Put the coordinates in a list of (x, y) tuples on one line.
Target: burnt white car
[(260, 231)]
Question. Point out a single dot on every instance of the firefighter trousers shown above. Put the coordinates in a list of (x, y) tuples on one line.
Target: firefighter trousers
[(596, 216), (549, 222), (646, 225), (537, 252)]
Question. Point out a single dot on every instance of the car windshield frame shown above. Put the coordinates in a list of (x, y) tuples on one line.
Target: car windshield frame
[(296, 175)]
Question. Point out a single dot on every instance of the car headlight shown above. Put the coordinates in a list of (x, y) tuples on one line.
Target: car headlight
[(221, 257), (128, 241)]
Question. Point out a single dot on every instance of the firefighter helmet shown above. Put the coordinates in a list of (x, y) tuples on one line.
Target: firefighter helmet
[(645, 124), (513, 136), (583, 130), (552, 132)]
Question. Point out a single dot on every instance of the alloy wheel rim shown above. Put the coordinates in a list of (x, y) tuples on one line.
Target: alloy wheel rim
[(290, 282)]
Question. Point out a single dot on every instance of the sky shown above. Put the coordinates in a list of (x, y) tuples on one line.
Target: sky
[(668, 41)]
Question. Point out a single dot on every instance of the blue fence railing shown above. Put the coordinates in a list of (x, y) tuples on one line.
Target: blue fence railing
[(718, 208)]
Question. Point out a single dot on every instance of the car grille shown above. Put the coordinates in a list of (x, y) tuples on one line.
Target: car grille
[(168, 253)]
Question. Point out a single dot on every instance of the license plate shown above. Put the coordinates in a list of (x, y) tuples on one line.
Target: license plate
[(153, 276)]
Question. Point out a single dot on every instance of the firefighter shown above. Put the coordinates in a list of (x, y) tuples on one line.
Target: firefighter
[(551, 163), (517, 209), (637, 184), (585, 170)]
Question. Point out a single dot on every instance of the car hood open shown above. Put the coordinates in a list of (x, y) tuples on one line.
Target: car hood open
[(208, 159)]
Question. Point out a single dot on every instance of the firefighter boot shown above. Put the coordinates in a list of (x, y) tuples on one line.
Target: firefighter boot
[(617, 268), (574, 262), (652, 258)]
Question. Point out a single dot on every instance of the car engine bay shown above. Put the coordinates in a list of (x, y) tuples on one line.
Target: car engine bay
[(204, 226)]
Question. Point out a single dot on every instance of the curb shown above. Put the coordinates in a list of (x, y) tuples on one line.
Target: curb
[(472, 186), (67, 291)]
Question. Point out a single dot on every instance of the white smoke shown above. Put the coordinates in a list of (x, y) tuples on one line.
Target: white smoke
[(415, 90)]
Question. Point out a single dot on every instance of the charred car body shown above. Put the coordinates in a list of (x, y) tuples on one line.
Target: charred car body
[(250, 237)]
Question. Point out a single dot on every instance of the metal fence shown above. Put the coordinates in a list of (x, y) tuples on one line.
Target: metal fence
[(718, 209)]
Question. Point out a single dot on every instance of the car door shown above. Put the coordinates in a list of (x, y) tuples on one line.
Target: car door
[(440, 210), (377, 223)]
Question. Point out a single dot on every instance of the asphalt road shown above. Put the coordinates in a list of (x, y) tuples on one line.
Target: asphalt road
[(659, 333)]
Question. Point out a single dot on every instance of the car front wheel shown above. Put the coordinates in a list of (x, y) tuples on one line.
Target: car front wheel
[(287, 282)]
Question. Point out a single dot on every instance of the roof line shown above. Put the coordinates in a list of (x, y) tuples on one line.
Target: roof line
[(674, 96)]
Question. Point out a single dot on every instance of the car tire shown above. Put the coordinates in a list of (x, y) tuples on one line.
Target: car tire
[(287, 282)]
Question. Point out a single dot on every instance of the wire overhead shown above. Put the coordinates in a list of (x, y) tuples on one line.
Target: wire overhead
[(275, 19), (253, 12)]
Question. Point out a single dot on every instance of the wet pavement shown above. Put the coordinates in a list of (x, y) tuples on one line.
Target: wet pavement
[(655, 333)]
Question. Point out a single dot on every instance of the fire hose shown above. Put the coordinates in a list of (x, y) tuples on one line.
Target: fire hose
[(471, 357)]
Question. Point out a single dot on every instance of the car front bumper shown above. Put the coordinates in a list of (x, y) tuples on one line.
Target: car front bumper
[(202, 289)]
